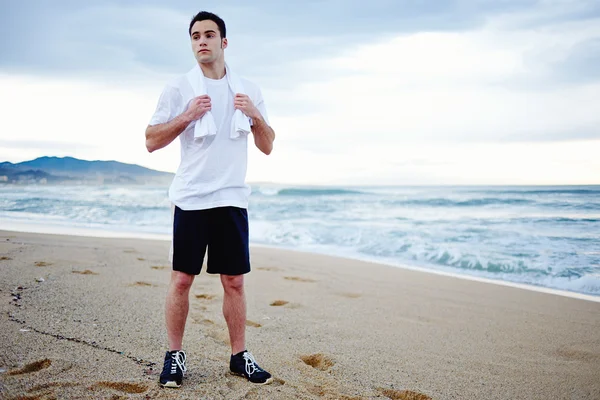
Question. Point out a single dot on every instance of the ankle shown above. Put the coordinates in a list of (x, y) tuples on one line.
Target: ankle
[(238, 353)]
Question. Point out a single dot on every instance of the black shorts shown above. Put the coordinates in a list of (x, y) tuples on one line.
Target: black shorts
[(224, 230)]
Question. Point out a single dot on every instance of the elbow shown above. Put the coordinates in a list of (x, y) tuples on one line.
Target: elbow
[(267, 150), (150, 146)]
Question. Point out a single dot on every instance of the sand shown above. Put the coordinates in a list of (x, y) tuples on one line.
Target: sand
[(83, 318)]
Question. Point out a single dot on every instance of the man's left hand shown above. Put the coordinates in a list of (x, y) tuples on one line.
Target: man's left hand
[(243, 103)]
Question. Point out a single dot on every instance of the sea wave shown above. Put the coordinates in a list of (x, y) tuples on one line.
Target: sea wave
[(299, 192), (445, 202), (539, 237)]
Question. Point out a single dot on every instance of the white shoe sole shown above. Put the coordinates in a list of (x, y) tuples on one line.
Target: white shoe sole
[(255, 383), (171, 384)]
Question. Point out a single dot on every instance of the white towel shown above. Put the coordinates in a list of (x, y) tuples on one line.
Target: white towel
[(240, 125)]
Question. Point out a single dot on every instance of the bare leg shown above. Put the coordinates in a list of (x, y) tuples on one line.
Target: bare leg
[(234, 311), (177, 306)]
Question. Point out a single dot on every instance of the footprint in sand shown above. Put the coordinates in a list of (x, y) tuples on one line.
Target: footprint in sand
[(575, 354), (198, 318), (205, 296), (318, 361), (295, 278), (124, 387), (277, 382), (46, 386), (323, 391), (287, 304), (140, 283), (219, 335), (268, 269), (403, 394), (86, 272), (253, 324), (42, 264), (32, 367), (350, 295)]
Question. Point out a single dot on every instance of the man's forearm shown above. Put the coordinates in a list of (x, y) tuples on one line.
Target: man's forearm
[(263, 135), (159, 136)]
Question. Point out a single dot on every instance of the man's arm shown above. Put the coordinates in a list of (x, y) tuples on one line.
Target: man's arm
[(264, 135), (160, 135)]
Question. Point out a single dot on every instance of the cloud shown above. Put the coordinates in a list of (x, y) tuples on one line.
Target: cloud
[(66, 37), (445, 86), (581, 63), (384, 92), (43, 145)]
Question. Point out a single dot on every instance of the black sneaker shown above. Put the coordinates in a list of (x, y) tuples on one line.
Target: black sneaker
[(173, 370), (244, 364)]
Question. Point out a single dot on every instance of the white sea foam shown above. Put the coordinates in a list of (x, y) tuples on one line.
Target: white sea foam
[(546, 238)]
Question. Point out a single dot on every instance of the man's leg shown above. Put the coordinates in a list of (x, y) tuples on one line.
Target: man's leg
[(234, 310), (177, 306)]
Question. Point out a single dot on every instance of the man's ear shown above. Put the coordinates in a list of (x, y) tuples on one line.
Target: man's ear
[(224, 43)]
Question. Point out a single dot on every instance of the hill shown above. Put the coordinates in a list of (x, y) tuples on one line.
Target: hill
[(60, 170)]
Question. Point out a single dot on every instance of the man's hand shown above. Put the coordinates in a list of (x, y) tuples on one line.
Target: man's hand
[(243, 103), (198, 107)]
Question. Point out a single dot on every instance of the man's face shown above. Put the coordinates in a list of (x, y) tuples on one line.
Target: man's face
[(206, 41)]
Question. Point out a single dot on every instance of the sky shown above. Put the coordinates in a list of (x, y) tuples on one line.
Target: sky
[(384, 92)]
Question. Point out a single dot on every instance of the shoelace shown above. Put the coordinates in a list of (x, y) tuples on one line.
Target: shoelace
[(251, 366), (178, 360)]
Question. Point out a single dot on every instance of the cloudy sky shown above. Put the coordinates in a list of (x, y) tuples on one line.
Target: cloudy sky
[(377, 92)]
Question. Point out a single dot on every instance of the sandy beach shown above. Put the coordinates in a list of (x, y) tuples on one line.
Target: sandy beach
[(83, 318)]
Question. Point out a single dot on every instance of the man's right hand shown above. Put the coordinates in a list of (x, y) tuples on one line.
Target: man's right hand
[(198, 107)]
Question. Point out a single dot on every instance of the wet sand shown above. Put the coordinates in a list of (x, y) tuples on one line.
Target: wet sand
[(83, 318)]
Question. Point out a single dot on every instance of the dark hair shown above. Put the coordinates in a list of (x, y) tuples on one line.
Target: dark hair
[(204, 15)]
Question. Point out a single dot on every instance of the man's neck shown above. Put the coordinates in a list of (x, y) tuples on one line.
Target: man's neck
[(215, 70)]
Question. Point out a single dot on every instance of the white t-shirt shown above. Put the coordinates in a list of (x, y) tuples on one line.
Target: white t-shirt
[(212, 172)]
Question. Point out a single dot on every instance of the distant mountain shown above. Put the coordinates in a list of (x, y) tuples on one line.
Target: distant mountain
[(46, 170)]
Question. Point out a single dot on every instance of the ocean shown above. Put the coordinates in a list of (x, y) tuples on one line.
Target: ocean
[(547, 237)]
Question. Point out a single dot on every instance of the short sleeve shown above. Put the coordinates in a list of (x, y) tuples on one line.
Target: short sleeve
[(168, 107)]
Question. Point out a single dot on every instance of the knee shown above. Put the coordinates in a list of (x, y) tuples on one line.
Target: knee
[(233, 284), (181, 282)]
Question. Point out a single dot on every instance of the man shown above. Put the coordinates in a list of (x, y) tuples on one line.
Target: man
[(209, 190)]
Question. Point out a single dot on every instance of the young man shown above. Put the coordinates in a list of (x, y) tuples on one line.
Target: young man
[(212, 111)]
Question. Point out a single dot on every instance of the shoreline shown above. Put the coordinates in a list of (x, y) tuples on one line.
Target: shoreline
[(99, 233)]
